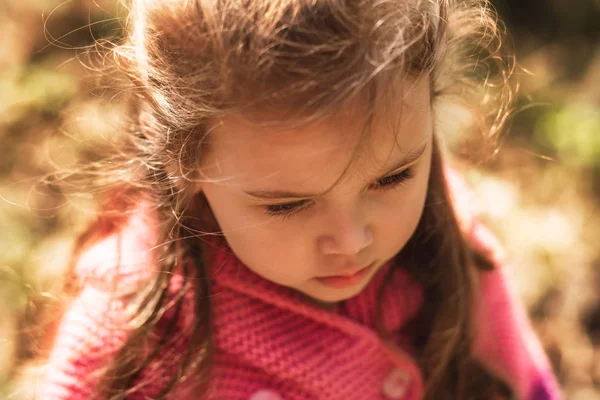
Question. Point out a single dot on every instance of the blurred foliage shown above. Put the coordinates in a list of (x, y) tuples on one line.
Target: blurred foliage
[(573, 132), (540, 194), (36, 87)]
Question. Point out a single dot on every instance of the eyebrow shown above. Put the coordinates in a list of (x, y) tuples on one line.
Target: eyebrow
[(408, 159)]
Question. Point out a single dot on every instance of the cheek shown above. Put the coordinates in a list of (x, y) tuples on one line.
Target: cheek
[(227, 213), (237, 222), (402, 212), (255, 239), (401, 219)]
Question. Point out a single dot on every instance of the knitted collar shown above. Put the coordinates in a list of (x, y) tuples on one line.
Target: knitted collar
[(401, 297), (277, 330)]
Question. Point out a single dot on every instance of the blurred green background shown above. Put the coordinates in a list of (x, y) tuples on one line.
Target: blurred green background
[(540, 194)]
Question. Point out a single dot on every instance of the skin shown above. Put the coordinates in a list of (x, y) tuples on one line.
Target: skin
[(344, 224)]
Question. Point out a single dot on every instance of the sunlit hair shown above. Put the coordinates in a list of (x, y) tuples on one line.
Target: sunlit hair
[(187, 63)]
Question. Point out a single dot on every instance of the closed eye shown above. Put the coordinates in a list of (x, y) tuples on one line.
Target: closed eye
[(387, 183), (392, 181), (287, 209)]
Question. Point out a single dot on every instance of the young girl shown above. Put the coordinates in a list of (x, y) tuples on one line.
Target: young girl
[(280, 224)]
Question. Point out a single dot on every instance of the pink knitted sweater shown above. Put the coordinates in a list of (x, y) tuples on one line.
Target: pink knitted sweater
[(270, 343)]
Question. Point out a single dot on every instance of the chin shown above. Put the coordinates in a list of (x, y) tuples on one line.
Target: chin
[(333, 295)]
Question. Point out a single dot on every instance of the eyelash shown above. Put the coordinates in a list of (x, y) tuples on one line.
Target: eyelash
[(286, 210), (393, 181), (385, 184)]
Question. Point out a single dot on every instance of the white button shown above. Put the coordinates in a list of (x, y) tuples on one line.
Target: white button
[(265, 394), (396, 384)]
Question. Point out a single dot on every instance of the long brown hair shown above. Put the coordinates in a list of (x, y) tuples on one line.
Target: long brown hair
[(187, 63)]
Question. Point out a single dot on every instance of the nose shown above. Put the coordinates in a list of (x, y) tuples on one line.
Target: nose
[(346, 234)]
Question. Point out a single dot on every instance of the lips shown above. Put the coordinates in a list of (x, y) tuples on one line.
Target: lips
[(342, 281), (349, 274)]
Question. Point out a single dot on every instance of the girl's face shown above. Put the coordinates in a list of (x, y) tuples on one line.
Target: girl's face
[(270, 194)]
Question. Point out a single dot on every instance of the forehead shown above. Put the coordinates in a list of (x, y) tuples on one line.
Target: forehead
[(255, 149)]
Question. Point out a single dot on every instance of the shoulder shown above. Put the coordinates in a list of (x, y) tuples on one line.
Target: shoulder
[(123, 260), (111, 273), (504, 341), (464, 203)]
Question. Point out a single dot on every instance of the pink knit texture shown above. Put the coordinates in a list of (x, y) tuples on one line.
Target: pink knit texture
[(273, 344)]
